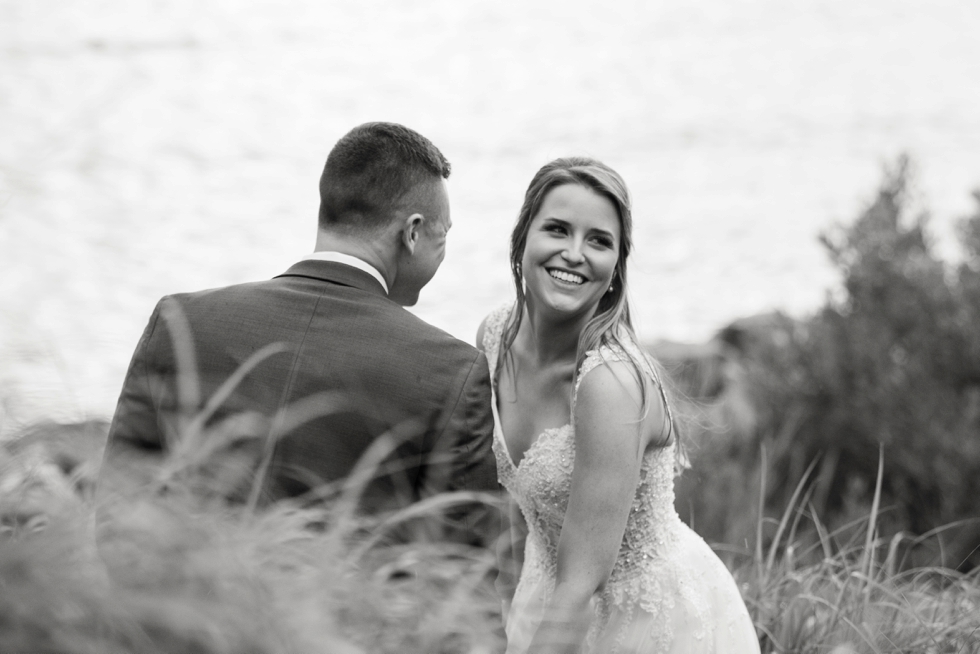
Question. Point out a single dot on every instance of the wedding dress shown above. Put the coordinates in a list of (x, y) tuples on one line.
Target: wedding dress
[(668, 591)]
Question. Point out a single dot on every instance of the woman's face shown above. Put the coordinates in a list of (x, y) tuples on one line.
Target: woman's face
[(571, 251)]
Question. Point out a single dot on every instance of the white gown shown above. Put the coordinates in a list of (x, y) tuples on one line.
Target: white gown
[(668, 591)]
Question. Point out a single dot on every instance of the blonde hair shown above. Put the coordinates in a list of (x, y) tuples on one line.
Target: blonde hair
[(611, 326)]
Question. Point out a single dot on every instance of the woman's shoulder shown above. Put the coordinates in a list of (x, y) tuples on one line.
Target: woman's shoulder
[(624, 381)]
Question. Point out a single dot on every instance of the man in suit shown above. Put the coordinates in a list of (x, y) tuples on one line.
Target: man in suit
[(294, 379)]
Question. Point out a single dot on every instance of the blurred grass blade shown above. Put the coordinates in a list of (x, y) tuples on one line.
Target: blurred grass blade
[(229, 385), (762, 510), (867, 557), (891, 559), (286, 420), (786, 513), (188, 385), (822, 535), (430, 506), (367, 468)]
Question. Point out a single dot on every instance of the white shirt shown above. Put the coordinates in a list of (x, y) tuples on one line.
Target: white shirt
[(360, 264)]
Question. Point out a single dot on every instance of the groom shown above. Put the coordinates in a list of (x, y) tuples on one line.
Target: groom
[(333, 364)]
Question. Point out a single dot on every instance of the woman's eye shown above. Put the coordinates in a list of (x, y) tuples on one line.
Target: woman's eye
[(557, 229), (603, 241)]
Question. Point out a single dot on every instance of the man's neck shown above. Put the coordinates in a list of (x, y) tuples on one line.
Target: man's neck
[(370, 253)]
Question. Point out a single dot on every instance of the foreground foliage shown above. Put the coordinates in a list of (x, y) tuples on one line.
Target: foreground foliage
[(855, 597), (174, 575), (892, 363), (181, 581)]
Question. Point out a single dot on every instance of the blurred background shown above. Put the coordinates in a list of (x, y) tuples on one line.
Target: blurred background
[(152, 147), (807, 268)]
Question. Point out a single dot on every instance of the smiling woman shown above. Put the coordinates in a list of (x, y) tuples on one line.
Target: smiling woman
[(586, 446), (571, 250)]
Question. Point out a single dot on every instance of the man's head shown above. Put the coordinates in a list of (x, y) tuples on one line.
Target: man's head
[(384, 185)]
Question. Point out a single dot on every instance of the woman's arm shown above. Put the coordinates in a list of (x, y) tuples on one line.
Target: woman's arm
[(611, 435)]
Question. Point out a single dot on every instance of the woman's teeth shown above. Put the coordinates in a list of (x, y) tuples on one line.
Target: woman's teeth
[(563, 276)]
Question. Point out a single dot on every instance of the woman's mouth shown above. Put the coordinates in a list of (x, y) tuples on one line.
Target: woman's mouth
[(567, 277)]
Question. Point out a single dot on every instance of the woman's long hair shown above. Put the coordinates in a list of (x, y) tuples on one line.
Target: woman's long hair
[(611, 325)]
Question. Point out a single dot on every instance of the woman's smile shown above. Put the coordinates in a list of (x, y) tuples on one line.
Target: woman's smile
[(572, 250), (566, 277)]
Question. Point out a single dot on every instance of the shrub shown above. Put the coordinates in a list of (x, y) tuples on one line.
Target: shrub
[(892, 363)]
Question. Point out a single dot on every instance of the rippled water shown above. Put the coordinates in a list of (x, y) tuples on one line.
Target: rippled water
[(155, 147)]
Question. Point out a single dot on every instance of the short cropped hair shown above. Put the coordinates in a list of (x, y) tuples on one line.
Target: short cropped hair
[(370, 170)]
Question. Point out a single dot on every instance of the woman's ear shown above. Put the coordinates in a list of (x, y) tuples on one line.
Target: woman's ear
[(411, 231)]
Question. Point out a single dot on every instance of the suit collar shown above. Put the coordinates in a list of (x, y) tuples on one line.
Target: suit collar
[(350, 260), (336, 273)]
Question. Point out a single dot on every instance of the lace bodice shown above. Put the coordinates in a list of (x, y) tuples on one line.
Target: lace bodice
[(541, 484)]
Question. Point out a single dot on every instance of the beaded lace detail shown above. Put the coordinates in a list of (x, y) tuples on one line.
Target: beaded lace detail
[(648, 579)]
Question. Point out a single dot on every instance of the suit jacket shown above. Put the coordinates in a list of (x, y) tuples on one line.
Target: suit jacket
[(345, 368)]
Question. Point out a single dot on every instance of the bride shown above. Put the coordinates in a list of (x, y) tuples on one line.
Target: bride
[(586, 445)]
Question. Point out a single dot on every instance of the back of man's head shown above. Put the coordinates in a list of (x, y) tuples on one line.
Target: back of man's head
[(370, 170)]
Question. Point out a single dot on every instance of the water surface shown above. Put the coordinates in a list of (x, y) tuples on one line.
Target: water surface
[(157, 147)]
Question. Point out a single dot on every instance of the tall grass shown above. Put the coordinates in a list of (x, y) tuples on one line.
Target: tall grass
[(178, 572), (854, 596), (175, 574)]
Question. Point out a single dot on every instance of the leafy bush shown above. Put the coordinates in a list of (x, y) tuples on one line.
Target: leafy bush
[(892, 363)]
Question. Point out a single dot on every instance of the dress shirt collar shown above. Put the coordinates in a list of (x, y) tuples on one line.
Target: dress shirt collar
[(340, 257)]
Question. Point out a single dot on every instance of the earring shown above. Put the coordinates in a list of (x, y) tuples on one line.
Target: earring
[(610, 289)]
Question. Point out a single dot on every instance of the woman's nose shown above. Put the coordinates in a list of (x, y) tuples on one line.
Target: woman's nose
[(573, 254)]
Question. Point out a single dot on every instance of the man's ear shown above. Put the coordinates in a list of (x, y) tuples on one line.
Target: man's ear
[(411, 231)]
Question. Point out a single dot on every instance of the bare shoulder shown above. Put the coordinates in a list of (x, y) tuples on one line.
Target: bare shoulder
[(610, 384), (614, 395)]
